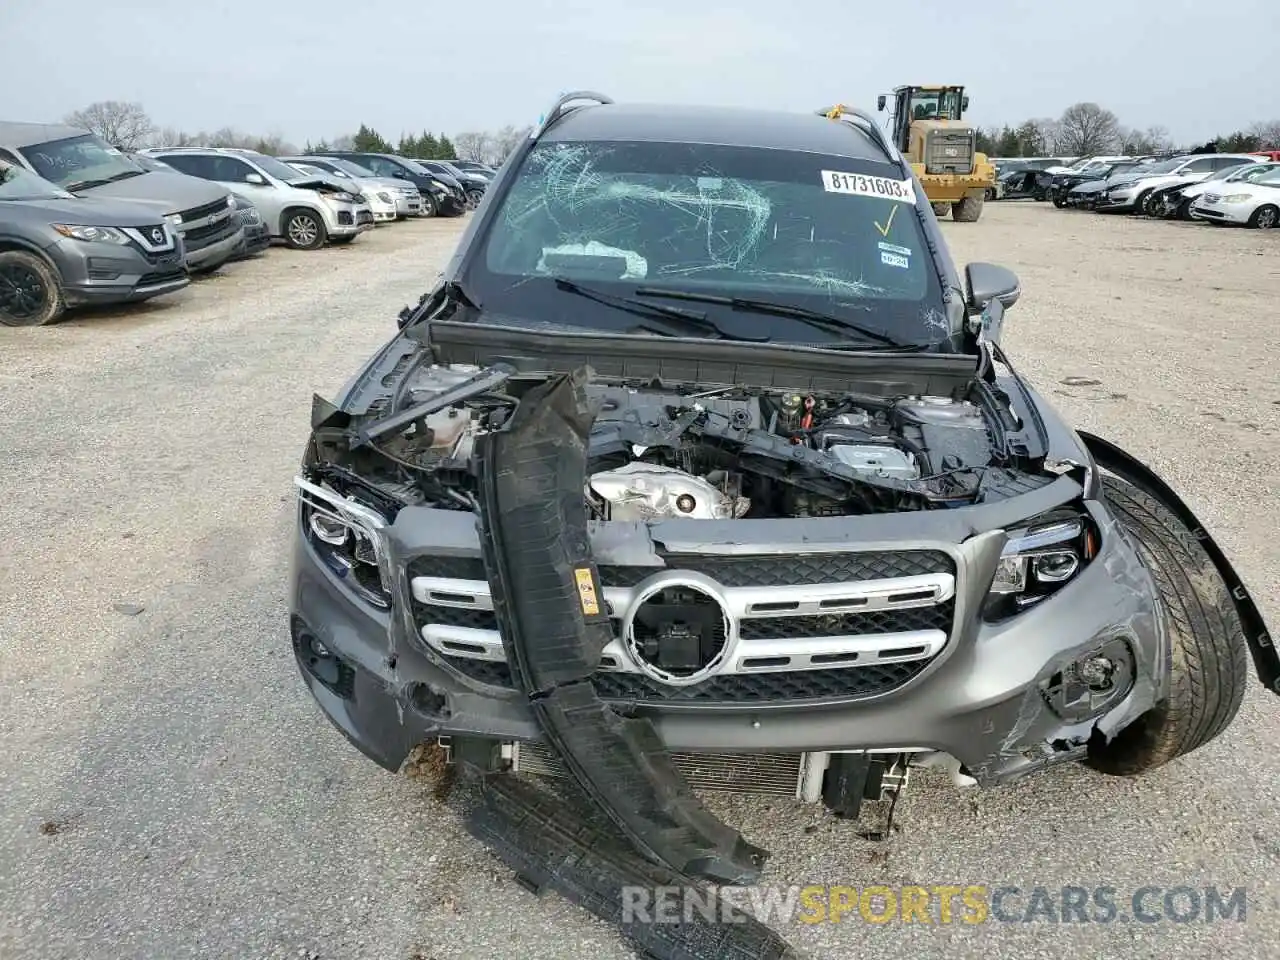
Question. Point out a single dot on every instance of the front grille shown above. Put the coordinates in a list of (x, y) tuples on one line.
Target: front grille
[(248, 217), (948, 152), (208, 210), (841, 683), (165, 277), (202, 236), (913, 633)]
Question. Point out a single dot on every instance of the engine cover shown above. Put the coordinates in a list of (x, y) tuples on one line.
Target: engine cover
[(649, 491)]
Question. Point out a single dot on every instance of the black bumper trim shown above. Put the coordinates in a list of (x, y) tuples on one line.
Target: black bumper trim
[(544, 585)]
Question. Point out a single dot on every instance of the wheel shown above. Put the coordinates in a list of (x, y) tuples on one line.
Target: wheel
[(303, 230), (967, 210), (1265, 217), (940, 209), (1059, 201), (30, 291), (1184, 210), (342, 241), (1140, 204), (474, 197), (991, 193), (430, 208), (1207, 659)]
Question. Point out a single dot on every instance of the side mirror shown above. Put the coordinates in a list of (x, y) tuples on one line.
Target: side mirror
[(992, 290), (988, 282), (964, 102), (255, 178), (880, 103)]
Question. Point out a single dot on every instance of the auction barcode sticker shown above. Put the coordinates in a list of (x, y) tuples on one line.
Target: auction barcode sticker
[(862, 185)]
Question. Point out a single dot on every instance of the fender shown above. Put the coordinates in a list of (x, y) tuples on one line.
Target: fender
[(1266, 659)]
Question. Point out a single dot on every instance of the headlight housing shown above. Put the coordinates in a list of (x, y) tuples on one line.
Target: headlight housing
[(384, 196), (1237, 198), (92, 234), (174, 219), (349, 537), (1038, 561)]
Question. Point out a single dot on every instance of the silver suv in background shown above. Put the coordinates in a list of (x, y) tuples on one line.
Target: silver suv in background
[(305, 212), (407, 198), (86, 165)]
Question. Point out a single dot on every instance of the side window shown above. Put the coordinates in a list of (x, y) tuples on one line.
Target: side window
[(1203, 165), (1222, 163), (382, 167), (191, 165), (232, 169), (8, 157)]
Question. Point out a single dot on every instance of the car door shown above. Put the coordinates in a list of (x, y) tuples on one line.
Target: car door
[(238, 176)]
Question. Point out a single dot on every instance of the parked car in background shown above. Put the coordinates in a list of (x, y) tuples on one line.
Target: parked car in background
[(381, 201), (1253, 203), (473, 184), (257, 235), (1061, 185), (407, 198), (1130, 193), (437, 198), (88, 166), (1175, 199), (474, 166), (58, 250), (304, 211)]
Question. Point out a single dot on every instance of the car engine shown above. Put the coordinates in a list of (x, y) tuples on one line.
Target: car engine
[(658, 452)]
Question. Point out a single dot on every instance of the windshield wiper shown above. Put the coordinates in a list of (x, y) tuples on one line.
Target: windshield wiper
[(692, 320), (84, 184), (124, 175), (819, 321)]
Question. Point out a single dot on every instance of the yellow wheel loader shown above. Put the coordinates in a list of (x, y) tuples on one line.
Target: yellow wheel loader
[(942, 149)]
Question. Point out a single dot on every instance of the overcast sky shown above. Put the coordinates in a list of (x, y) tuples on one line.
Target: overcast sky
[(319, 68)]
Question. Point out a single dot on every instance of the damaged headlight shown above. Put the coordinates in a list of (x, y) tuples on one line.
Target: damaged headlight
[(1039, 561), (349, 537)]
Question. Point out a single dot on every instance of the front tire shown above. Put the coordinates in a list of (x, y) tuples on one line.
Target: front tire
[(30, 290), (430, 208), (967, 210), (304, 230), (1266, 217), (1207, 660)]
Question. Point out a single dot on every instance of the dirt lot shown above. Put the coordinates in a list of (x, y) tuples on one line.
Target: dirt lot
[(168, 790)]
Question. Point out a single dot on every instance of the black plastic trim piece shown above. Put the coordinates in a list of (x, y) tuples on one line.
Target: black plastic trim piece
[(1266, 660), (549, 607), (554, 844)]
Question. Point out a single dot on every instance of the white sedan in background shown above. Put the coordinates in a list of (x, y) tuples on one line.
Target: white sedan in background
[(1255, 203)]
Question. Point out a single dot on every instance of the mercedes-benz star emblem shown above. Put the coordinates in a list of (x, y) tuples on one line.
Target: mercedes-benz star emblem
[(677, 629)]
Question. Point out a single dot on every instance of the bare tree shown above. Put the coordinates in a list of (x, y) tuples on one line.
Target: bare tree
[(344, 142), (1154, 139), (1268, 134), (123, 125), (506, 140), (1086, 128), (473, 145)]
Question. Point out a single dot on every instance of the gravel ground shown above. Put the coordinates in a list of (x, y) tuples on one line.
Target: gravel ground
[(168, 790)]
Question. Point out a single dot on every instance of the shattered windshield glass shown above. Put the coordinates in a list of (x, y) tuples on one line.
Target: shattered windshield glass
[(822, 233)]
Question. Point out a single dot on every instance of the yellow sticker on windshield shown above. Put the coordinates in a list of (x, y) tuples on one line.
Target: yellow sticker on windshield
[(862, 185)]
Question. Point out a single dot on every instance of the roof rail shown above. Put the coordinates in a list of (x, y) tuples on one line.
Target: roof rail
[(560, 108), (868, 125)]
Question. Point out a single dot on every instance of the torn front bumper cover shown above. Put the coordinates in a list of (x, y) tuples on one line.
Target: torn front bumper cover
[(548, 602)]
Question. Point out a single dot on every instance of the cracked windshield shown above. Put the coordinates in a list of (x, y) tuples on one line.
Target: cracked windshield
[(707, 224)]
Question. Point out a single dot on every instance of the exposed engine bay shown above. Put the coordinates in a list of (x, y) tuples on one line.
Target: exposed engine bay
[(659, 451)]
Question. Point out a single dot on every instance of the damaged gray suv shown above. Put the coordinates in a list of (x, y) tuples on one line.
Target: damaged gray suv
[(703, 468)]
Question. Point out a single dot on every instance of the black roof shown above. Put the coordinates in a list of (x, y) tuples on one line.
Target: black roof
[(724, 126)]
